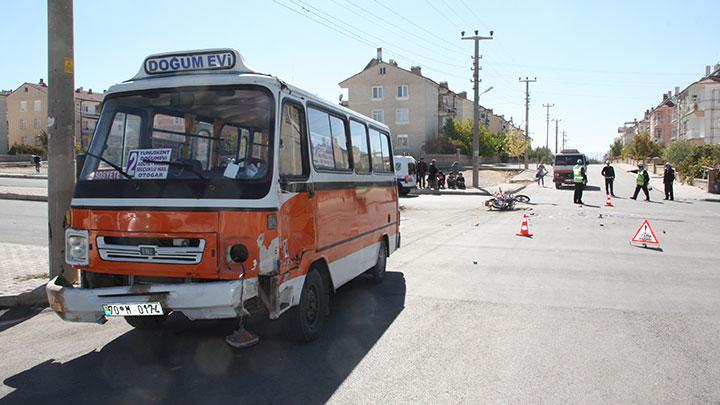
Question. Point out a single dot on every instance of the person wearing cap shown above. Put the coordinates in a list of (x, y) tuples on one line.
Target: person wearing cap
[(668, 178), (421, 169), (432, 174), (580, 179), (609, 173), (642, 180)]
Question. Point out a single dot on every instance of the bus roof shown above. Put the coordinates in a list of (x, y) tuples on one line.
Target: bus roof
[(208, 67)]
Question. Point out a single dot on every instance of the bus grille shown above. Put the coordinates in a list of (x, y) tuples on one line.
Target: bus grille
[(115, 252)]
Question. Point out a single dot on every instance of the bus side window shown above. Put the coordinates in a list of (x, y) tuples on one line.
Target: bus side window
[(376, 150), (361, 154), (292, 141), (386, 152)]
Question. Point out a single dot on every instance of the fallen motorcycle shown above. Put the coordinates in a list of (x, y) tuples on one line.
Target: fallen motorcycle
[(506, 201)]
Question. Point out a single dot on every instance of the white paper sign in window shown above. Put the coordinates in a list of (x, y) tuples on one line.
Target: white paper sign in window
[(144, 163)]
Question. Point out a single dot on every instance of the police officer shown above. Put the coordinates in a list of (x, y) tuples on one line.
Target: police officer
[(609, 173), (580, 179), (642, 181)]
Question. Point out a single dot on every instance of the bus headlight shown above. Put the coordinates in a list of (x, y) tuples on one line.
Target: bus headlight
[(76, 247)]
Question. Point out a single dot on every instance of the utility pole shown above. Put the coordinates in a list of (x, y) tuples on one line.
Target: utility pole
[(61, 130), (527, 112), (556, 133), (564, 139), (547, 124), (476, 106)]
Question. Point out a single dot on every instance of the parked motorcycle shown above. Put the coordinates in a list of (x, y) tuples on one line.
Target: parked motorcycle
[(506, 201)]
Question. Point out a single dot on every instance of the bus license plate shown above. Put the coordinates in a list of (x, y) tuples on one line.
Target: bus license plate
[(144, 309)]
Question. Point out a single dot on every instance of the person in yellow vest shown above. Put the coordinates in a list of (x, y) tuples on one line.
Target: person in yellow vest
[(580, 180), (642, 181)]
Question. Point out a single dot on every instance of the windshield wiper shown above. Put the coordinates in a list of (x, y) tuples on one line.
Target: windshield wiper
[(177, 164), (111, 164)]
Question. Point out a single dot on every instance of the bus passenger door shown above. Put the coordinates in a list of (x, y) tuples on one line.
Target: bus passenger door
[(296, 215)]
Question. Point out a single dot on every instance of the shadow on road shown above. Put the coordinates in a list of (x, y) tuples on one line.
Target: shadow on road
[(16, 315), (190, 362), (409, 196)]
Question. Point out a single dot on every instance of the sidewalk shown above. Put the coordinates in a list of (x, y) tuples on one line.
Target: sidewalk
[(23, 193), (681, 190), (23, 274), (512, 185)]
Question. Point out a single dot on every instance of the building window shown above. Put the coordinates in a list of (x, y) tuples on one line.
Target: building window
[(37, 123), (23, 140), (402, 92), (382, 70), (38, 106), (445, 101), (23, 106), (402, 116), (402, 140), (23, 124), (377, 92), (659, 133), (378, 115)]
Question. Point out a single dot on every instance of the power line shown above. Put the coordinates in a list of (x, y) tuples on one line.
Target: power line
[(416, 25), (328, 17)]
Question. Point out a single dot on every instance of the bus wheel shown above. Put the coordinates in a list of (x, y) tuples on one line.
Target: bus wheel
[(309, 314), (377, 273), (146, 322)]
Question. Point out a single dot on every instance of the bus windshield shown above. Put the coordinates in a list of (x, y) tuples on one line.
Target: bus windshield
[(200, 133)]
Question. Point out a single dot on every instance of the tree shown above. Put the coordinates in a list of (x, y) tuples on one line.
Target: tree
[(459, 133), (616, 149), (516, 143), (642, 147), (677, 151), (542, 154)]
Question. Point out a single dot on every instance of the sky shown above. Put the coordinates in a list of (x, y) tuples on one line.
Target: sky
[(600, 63)]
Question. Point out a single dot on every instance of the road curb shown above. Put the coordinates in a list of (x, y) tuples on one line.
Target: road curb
[(23, 197), (23, 176), (481, 192), (38, 296)]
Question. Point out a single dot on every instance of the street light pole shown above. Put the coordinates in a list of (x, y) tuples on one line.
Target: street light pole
[(527, 82), (476, 104), (61, 131)]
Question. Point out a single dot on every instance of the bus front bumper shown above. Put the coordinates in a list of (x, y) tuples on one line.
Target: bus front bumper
[(211, 300)]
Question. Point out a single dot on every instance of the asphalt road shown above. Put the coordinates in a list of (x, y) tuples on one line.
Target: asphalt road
[(469, 313), (23, 222), (23, 182)]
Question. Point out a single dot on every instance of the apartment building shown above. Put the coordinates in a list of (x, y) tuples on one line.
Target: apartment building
[(412, 105), (661, 121), (27, 114), (3, 122), (698, 109)]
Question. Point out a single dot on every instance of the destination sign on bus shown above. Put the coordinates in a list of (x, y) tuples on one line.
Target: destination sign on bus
[(190, 62)]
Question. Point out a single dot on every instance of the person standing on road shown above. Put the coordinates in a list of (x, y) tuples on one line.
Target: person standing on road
[(421, 169), (580, 179), (642, 181), (432, 174), (540, 173), (609, 173), (668, 178)]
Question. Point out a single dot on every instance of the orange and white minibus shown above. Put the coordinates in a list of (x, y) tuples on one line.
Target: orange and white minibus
[(216, 191)]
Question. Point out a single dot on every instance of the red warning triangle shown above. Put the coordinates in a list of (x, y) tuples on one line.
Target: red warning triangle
[(645, 235)]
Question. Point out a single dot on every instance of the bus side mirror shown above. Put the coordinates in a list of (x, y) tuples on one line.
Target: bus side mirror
[(79, 163)]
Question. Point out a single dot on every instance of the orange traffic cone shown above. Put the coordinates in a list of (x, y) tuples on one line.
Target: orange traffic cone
[(608, 202), (525, 228)]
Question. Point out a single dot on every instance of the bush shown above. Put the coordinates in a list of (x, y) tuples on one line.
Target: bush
[(677, 152), (26, 150), (700, 156)]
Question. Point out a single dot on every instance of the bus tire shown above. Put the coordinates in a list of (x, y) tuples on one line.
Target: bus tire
[(146, 322), (377, 273), (308, 317)]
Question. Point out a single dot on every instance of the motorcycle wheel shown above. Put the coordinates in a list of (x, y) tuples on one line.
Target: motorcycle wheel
[(522, 198)]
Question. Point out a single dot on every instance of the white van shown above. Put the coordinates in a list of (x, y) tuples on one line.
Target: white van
[(405, 174)]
